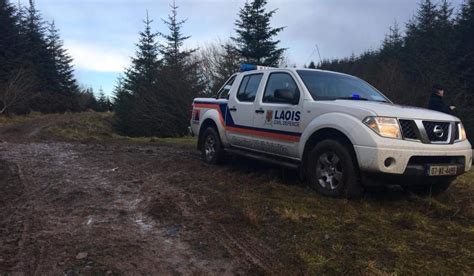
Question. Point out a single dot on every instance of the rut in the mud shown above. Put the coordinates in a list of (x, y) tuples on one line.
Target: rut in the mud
[(92, 208), (11, 189)]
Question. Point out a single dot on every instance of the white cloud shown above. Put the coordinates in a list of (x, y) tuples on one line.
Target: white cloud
[(97, 57)]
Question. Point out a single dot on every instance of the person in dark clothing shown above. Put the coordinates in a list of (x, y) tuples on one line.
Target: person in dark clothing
[(436, 100)]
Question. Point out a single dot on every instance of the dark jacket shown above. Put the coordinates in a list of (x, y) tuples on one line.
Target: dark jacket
[(436, 103)]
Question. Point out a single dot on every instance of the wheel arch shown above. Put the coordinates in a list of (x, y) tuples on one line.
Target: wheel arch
[(205, 124), (324, 134)]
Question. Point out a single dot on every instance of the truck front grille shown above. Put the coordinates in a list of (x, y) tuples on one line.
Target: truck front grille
[(437, 131), (408, 129), (429, 132)]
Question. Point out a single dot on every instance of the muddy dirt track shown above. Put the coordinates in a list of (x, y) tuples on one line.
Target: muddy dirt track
[(116, 208)]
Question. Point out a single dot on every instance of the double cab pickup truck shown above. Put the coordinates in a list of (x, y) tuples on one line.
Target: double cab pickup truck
[(339, 131)]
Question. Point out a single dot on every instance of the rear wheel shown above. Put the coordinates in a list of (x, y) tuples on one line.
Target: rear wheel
[(430, 186), (332, 170), (211, 150)]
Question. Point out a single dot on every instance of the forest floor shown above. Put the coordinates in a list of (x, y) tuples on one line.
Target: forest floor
[(75, 198)]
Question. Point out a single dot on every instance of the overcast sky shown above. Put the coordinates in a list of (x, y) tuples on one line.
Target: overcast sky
[(101, 34)]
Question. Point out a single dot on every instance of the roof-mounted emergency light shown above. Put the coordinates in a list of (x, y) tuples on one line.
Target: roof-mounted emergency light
[(250, 67)]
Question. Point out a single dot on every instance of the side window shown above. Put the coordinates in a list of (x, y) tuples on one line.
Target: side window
[(280, 88), (248, 88), (224, 92)]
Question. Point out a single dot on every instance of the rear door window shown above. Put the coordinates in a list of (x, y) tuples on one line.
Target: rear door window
[(249, 87), (224, 92)]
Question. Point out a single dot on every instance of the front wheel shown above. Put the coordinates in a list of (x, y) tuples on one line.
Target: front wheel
[(211, 151), (332, 170)]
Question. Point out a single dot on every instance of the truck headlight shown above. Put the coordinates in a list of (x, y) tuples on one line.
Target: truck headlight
[(384, 126), (462, 132)]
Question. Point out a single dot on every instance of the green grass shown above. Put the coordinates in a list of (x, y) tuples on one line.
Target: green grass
[(386, 233), (85, 127), (93, 126), (4, 120)]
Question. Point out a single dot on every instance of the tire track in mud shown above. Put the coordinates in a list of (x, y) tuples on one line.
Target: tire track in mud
[(92, 199), (241, 244), (245, 249), (12, 190)]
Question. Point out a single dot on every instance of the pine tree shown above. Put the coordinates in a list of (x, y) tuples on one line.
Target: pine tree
[(63, 71), (138, 88), (422, 44), (173, 54), (123, 105), (180, 78), (40, 59), (145, 64), (255, 35), (464, 30), (9, 41), (15, 81), (392, 45), (312, 65), (103, 102), (465, 44)]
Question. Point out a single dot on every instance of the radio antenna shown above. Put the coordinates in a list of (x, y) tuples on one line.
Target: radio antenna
[(320, 59)]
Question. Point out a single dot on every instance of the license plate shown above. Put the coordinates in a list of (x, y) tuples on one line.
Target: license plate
[(442, 170)]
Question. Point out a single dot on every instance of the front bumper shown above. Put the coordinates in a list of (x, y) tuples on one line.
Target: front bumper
[(413, 158)]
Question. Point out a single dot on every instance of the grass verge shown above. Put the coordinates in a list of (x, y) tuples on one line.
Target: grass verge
[(84, 127), (388, 232)]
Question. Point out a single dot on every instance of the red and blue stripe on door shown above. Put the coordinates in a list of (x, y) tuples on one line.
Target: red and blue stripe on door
[(226, 119)]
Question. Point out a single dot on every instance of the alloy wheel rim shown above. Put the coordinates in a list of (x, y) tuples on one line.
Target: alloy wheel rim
[(329, 171), (210, 148)]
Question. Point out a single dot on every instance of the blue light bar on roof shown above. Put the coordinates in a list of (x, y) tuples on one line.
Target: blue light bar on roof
[(250, 67), (247, 67)]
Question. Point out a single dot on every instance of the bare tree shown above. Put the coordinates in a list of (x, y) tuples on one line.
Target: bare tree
[(217, 62), (16, 91)]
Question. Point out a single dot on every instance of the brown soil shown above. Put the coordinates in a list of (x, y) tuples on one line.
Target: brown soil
[(116, 208), (78, 199)]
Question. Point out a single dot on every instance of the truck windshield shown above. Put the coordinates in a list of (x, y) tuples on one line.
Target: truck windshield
[(327, 86)]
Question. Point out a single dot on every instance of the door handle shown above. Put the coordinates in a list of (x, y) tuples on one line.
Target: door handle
[(260, 111), (233, 109)]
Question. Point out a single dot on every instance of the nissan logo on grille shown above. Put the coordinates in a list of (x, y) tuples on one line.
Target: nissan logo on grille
[(438, 131)]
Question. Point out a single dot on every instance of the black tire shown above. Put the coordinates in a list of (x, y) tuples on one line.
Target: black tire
[(332, 170), (211, 150), (430, 187)]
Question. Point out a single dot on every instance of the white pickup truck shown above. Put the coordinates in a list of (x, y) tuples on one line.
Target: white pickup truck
[(340, 131)]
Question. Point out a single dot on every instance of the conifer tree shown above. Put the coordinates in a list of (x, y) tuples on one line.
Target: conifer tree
[(123, 105), (138, 88), (143, 71), (173, 54), (9, 41), (40, 59), (392, 45), (15, 82), (255, 37), (179, 75), (34, 54), (422, 44), (103, 102), (465, 44), (62, 70)]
